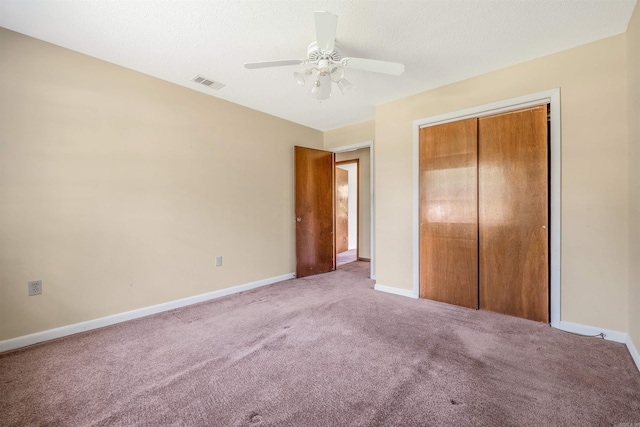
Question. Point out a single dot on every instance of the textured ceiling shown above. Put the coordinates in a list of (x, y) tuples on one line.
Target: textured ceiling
[(439, 42)]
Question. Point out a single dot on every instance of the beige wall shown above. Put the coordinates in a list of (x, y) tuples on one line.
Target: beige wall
[(349, 135), (118, 189), (364, 196), (633, 70), (595, 232)]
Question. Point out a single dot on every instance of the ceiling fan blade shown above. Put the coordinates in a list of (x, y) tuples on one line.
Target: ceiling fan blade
[(265, 64), (393, 68), (326, 26), (325, 87)]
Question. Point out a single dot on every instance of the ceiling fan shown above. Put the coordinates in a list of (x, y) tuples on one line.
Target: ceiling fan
[(327, 63)]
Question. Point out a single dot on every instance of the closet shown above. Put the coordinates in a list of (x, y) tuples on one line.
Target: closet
[(484, 209)]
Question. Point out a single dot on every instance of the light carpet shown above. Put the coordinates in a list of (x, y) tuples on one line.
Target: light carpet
[(325, 350)]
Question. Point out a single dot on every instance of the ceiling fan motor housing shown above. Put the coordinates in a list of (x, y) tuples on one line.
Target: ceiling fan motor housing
[(315, 54)]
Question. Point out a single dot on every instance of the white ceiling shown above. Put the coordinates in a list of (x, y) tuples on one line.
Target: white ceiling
[(439, 42)]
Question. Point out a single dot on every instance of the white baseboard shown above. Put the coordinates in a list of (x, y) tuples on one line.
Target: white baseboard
[(610, 335), (63, 331), (395, 291), (577, 328), (634, 351)]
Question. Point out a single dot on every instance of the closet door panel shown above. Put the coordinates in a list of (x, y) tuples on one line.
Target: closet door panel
[(513, 213), (448, 213)]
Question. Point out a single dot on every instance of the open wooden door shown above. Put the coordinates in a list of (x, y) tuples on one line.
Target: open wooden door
[(314, 196)]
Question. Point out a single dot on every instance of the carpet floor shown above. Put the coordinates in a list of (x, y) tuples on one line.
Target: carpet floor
[(325, 350), (345, 257)]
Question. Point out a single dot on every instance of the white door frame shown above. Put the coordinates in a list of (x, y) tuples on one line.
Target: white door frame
[(545, 97), (353, 201), (353, 147)]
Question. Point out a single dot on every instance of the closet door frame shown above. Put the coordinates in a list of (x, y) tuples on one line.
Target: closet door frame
[(551, 97)]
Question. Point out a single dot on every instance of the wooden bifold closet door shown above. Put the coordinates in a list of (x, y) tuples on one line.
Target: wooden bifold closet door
[(513, 213), (449, 213), (484, 213)]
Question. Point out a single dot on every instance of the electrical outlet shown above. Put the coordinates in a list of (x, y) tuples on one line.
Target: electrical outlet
[(35, 287), (218, 261)]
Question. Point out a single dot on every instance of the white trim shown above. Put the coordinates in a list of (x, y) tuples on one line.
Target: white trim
[(353, 147), (63, 331), (634, 352), (371, 214), (556, 211), (577, 328), (546, 97), (416, 209), (395, 291), (493, 108)]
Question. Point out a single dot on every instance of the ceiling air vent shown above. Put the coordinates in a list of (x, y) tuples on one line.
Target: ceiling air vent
[(208, 82)]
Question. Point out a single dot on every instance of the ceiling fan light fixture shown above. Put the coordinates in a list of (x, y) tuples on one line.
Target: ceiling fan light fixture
[(344, 85), (337, 74), (301, 77), (315, 89), (324, 67)]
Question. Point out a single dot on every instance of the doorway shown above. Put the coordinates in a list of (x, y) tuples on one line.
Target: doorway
[(314, 211), (347, 188)]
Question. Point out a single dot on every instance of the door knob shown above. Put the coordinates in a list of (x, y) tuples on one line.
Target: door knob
[(544, 226), (299, 219)]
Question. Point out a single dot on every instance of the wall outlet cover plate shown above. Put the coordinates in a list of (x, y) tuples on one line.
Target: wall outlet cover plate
[(35, 287)]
